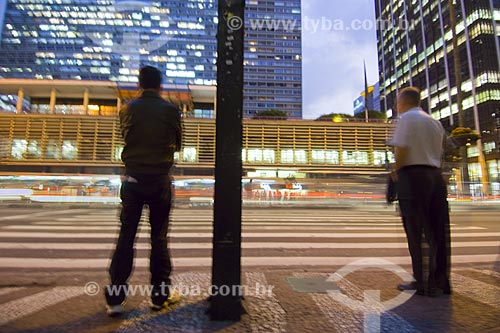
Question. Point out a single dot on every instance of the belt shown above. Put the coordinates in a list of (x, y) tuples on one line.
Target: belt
[(419, 166)]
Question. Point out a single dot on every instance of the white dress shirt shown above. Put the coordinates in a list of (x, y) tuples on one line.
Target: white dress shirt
[(422, 135)]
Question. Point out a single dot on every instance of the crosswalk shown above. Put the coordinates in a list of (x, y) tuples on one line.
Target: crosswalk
[(83, 240)]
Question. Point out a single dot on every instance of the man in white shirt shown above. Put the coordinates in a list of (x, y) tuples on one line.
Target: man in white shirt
[(418, 141)]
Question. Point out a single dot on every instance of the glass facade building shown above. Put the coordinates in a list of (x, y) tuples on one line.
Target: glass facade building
[(415, 47), (373, 100), (105, 40), (273, 57)]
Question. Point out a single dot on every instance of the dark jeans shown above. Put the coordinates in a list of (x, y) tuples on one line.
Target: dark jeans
[(424, 208), (154, 191)]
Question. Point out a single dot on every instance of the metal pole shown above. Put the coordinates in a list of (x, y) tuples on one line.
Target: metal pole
[(226, 256), (495, 31), (458, 81), (86, 101), (382, 29), (482, 160), (52, 103), (424, 40), (446, 64), (20, 97), (410, 69), (394, 49)]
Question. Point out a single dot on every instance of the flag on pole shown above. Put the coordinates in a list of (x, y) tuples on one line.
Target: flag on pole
[(366, 92)]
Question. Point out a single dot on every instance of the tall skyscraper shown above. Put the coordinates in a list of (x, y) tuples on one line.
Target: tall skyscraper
[(415, 48), (273, 57), (108, 40)]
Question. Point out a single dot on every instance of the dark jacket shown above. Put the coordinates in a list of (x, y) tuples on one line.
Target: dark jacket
[(151, 129)]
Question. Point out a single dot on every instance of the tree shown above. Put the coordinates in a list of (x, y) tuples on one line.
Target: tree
[(372, 114), (271, 113), (335, 117)]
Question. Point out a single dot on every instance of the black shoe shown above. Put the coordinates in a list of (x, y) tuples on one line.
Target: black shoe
[(446, 290), (411, 286)]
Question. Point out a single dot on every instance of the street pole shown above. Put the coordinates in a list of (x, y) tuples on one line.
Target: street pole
[(464, 185), (366, 93), (225, 301), (481, 157)]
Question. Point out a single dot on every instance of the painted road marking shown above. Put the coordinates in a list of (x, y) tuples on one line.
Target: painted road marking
[(28, 305), (245, 245), (15, 234), (101, 263)]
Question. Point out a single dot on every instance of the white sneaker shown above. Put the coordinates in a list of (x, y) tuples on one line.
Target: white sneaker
[(115, 310), (173, 298)]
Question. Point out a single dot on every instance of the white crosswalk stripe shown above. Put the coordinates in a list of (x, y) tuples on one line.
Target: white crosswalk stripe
[(209, 228), (245, 245), (34, 303), (5, 291), (244, 234), (482, 292), (269, 236), (270, 239)]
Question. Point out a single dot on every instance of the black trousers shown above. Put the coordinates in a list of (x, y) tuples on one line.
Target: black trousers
[(154, 191), (424, 208)]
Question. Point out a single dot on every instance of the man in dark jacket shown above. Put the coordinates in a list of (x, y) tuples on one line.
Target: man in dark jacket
[(151, 129)]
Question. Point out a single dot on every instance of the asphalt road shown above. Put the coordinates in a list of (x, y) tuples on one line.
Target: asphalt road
[(48, 256)]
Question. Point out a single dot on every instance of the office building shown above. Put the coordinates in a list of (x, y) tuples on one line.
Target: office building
[(107, 40), (86, 144), (273, 57), (415, 47), (373, 100)]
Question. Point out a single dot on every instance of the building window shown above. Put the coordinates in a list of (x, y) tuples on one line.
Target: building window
[(269, 156), (117, 156), (189, 154), (69, 150), (34, 150), (379, 158), (18, 148), (355, 157), (287, 156), (325, 157), (53, 151)]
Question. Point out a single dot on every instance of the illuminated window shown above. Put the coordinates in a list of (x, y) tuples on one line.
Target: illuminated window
[(33, 149), (117, 155), (379, 158), (300, 157), (189, 154), (269, 156), (52, 151), (254, 155), (355, 157), (18, 148), (287, 156), (69, 150)]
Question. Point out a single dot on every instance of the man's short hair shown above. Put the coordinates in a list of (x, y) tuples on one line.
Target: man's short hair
[(149, 78), (410, 95)]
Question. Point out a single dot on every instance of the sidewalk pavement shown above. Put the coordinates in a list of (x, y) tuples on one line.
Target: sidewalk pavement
[(275, 300)]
